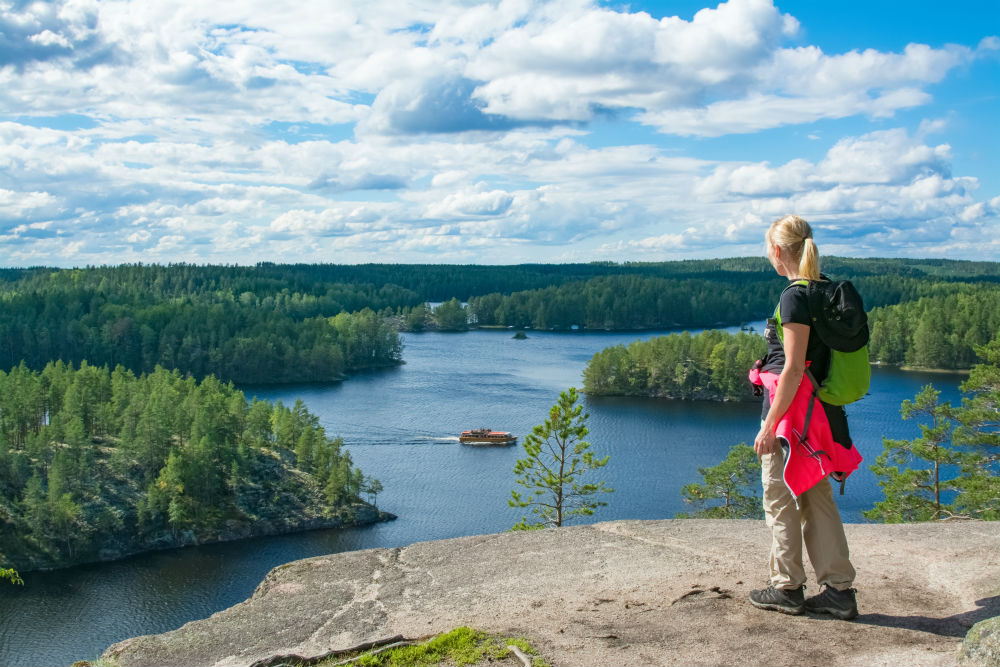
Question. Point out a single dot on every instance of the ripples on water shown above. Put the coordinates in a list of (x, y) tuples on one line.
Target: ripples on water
[(401, 426)]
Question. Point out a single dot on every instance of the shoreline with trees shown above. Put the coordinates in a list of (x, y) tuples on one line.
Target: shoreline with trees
[(98, 464)]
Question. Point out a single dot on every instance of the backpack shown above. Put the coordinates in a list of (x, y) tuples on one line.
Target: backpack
[(839, 319)]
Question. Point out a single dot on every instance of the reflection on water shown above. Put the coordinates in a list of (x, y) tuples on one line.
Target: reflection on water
[(401, 426)]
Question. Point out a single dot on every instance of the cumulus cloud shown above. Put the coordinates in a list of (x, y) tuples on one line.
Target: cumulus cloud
[(887, 157), (725, 71), (434, 105), (478, 202), (38, 32), (883, 189), (169, 131)]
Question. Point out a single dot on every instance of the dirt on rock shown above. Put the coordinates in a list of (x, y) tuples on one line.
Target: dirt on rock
[(671, 592)]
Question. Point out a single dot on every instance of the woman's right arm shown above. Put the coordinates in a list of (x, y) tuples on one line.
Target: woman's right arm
[(796, 338)]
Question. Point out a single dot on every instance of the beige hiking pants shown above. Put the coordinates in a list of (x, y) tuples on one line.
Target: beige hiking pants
[(816, 521)]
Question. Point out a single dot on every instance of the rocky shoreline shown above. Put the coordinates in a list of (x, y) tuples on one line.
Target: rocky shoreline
[(363, 515)]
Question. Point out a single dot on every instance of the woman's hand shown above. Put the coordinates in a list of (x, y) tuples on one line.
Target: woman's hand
[(764, 443)]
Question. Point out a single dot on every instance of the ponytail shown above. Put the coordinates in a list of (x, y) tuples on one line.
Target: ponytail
[(809, 262), (794, 236)]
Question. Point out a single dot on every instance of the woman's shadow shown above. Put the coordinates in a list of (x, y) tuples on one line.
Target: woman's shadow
[(956, 625)]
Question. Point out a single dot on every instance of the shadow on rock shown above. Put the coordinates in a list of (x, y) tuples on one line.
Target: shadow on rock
[(949, 626)]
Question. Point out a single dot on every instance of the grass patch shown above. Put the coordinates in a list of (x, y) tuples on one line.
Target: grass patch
[(461, 646)]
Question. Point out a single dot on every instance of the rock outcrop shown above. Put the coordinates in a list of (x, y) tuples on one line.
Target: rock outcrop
[(618, 593), (982, 643)]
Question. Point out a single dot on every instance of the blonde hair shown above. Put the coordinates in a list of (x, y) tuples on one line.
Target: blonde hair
[(794, 236)]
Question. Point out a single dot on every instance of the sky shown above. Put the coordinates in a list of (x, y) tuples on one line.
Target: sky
[(446, 131)]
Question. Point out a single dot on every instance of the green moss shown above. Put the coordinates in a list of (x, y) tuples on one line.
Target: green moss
[(461, 646), (982, 644)]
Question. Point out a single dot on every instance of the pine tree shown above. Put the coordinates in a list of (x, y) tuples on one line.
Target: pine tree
[(917, 494), (558, 458), (979, 434), (372, 487), (451, 316), (734, 482)]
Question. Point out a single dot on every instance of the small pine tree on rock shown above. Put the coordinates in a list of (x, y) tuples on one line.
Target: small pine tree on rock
[(557, 459)]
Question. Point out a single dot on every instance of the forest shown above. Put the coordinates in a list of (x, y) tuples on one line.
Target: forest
[(193, 320), (272, 323), (98, 463), (723, 299), (940, 330), (711, 365), (943, 331), (122, 428)]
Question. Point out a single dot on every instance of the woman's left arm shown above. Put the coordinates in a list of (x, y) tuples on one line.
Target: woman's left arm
[(796, 338)]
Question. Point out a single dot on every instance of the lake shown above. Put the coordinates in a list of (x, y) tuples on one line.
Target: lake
[(401, 425)]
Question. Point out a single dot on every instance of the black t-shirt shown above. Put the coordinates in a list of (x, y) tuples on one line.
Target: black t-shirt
[(794, 307)]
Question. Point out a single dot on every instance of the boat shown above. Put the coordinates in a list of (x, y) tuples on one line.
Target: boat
[(485, 436)]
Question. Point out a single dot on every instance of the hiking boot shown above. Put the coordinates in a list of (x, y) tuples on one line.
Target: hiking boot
[(785, 600), (841, 604)]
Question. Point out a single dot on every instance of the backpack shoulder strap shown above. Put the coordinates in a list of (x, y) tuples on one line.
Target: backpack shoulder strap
[(777, 308), (781, 336)]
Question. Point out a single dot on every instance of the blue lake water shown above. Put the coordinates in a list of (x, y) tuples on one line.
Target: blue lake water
[(401, 426)]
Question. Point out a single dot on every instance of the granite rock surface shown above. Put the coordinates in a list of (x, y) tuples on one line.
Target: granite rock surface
[(670, 592)]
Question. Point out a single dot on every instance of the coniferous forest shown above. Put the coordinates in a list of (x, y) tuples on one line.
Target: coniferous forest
[(200, 320), (97, 464), (121, 427), (711, 365), (941, 328), (307, 323)]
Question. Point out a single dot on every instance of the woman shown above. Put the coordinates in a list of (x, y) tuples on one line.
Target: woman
[(811, 516)]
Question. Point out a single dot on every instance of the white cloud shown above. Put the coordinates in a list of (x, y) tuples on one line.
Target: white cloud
[(475, 203), (760, 111), (244, 129), (889, 156), (139, 237), (884, 189), (17, 205)]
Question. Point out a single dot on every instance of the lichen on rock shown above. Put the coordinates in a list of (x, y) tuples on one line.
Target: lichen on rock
[(981, 647)]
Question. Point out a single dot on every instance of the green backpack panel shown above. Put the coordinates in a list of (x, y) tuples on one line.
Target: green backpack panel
[(849, 377)]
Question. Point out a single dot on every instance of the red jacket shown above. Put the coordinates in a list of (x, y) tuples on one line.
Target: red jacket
[(810, 460)]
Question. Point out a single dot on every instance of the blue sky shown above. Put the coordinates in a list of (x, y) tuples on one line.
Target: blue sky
[(494, 132)]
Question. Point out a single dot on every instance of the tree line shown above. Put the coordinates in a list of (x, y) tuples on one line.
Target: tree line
[(634, 302), (629, 302), (944, 330), (275, 323), (98, 463), (144, 317), (936, 331), (711, 365)]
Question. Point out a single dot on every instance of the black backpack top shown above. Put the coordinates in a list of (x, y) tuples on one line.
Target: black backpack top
[(838, 314)]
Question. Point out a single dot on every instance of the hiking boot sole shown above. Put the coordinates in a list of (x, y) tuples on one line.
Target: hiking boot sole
[(791, 611), (842, 614)]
